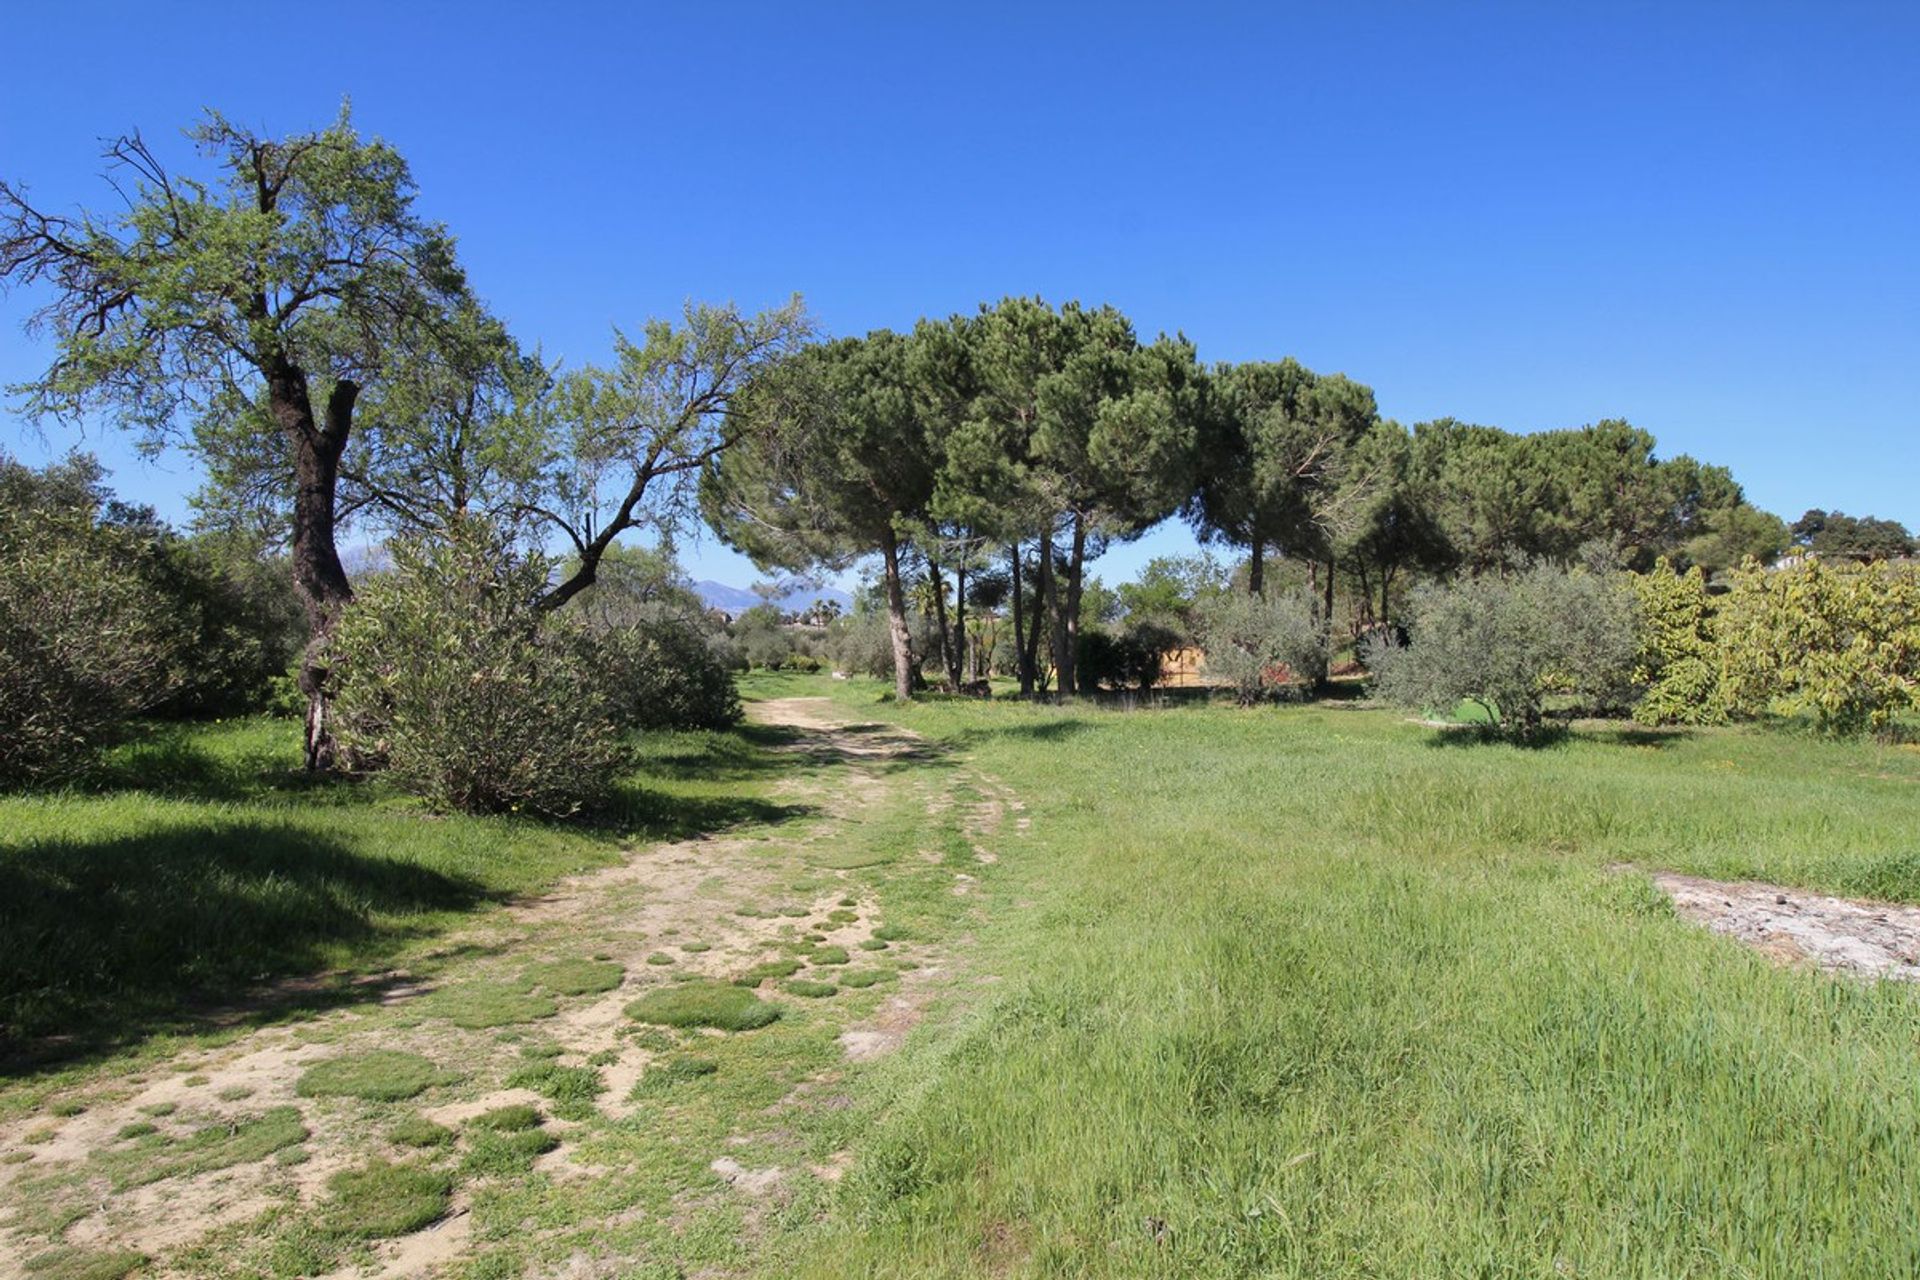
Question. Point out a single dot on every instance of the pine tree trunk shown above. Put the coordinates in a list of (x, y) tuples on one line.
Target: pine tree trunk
[(1022, 656), (897, 622), (1050, 603), (961, 665), (1076, 569), (1257, 568)]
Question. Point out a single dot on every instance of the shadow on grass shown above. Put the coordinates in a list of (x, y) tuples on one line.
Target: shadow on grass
[(1029, 730), (640, 813), (1546, 737), (172, 759), (104, 942)]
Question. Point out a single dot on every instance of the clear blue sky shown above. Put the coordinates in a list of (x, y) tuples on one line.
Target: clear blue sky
[(1703, 217)]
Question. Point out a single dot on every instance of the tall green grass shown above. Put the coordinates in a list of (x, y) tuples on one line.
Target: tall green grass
[(1314, 992)]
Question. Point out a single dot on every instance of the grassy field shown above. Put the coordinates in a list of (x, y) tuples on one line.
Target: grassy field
[(1297, 991)]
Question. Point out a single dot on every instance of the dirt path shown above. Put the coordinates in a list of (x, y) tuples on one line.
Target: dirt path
[(76, 1176)]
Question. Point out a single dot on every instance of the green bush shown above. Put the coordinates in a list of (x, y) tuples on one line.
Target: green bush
[(1262, 644), (89, 639), (1839, 643), (1508, 642), (664, 673), (1679, 664), (449, 677), (1130, 659)]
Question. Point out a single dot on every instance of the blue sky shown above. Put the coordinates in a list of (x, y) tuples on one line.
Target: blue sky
[(1703, 217)]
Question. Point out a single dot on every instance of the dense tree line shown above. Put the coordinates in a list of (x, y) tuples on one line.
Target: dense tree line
[(285, 312)]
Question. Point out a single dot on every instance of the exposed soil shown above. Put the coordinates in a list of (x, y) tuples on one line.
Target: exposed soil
[(1841, 935), (702, 902)]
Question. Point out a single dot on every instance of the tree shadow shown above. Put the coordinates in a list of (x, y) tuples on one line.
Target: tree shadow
[(104, 942), (1637, 736), (1547, 737), (1035, 731)]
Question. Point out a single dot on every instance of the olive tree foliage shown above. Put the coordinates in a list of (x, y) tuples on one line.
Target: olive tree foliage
[(1508, 642), (88, 638), (1265, 644), (245, 307), (453, 680), (629, 441), (1679, 663), (1836, 642)]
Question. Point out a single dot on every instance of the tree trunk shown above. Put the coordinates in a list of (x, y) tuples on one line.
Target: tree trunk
[(319, 578), (897, 622), (1050, 602), (1326, 619), (1022, 658), (948, 658), (1257, 568), (961, 665), (1076, 569)]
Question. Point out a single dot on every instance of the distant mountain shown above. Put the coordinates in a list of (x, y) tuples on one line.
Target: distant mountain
[(719, 595)]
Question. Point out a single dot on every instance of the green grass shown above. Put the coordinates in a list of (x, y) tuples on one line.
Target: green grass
[(828, 955), (515, 1117), (759, 973), (703, 1004), (573, 1089), (664, 1076), (419, 1132), (478, 1006), (383, 1199), (216, 1146), (1315, 991), (84, 1264), (808, 989), (199, 861), (381, 1075), (574, 977)]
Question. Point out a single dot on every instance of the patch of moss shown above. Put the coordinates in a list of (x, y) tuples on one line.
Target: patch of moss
[(849, 902), (478, 1006), (379, 1075), (874, 944), (843, 917), (768, 969), (574, 977), (384, 1199), (659, 957), (794, 912), (695, 948), (420, 1132), (808, 988), (703, 1004), (830, 955), (865, 977), (85, 1264)]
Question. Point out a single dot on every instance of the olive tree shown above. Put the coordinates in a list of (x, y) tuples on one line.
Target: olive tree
[(245, 308), (1508, 642)]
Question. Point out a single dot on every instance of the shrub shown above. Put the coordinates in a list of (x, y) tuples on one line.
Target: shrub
[(448, 676), (1130, 659), (1507, 642), (1261, 643), (664, 673), (1838, 643), (89, 639), (1679, 665)]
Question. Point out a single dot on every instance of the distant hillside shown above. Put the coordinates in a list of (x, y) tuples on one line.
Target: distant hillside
[(719, 595)]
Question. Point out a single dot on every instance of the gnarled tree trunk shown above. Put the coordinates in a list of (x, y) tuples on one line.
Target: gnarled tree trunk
[(318, 576), (897, 622)]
